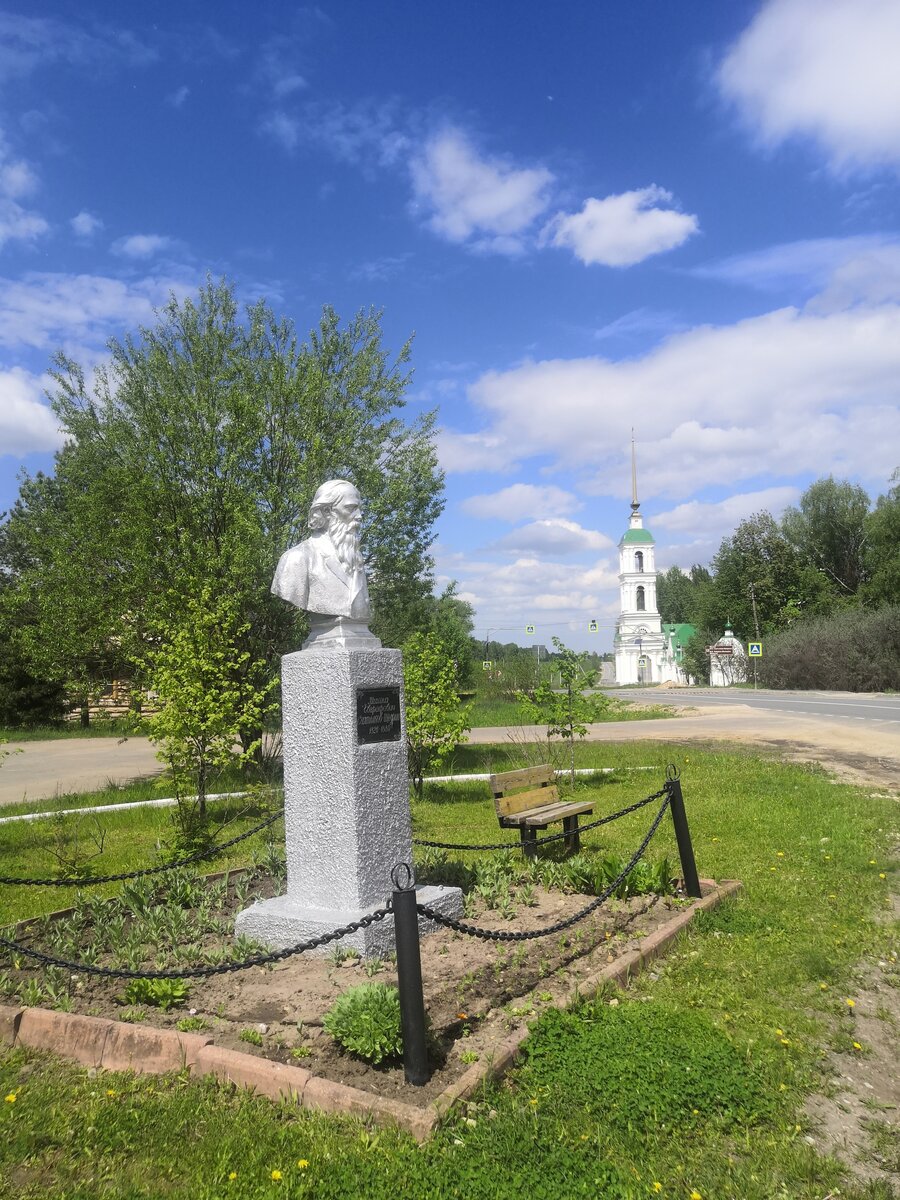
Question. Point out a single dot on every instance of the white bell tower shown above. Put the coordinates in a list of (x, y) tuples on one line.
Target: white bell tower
[(639, 643)]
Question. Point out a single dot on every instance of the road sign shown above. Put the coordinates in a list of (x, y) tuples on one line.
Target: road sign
[(754, 649), (592, 627), (529, 629), (486, 666)]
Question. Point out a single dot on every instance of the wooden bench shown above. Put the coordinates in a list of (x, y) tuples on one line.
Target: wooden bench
[(529, 800)]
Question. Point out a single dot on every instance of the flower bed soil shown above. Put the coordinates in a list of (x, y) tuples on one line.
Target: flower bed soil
[(475, 991)]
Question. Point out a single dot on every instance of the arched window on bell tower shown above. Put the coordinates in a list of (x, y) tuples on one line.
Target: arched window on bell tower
[(641, 606), (639, 560)]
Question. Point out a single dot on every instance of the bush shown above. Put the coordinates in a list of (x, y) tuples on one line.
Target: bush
[(854, 651), (366, 1021)]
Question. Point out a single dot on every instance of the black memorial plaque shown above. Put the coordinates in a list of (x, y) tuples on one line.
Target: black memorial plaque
[(377, 714)]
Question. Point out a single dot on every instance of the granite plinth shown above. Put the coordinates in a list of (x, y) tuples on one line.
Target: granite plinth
[(282, 922)]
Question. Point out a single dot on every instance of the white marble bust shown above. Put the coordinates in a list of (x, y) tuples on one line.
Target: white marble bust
[(325, 573)]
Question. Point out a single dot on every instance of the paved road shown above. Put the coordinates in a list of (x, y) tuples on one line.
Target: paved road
[(869, 706), (857, 736), (43, 769)]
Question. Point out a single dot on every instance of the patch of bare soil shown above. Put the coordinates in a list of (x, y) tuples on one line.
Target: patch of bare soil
[(475, 991), (858, 1119)]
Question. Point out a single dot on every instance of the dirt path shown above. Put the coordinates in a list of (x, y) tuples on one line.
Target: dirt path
[(861, 752)]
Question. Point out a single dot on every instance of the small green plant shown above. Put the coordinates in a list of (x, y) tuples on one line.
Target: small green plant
[(190, 1024), (253, 1036), (341, 954), (373, 966), (301, 1051), (469, 1056), (32, 993), (161, 993), (133, 1015), (366, 1021)]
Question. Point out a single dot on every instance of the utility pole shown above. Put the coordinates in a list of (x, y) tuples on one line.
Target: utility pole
[(755, 626)]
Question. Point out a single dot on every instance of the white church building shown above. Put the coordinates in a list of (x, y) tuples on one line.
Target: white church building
[(646, 650)]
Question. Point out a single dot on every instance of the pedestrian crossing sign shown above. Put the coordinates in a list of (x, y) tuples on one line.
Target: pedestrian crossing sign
[(529, 629), (592, 627), (754, 649)]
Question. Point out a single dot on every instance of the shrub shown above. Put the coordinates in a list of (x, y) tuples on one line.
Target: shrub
[(366, 1021)]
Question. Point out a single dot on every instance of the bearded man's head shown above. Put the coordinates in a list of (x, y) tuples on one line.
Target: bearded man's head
[(337, 510)]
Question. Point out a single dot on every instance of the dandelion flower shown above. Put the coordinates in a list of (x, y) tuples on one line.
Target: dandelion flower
[(110, 1092), (850, 1003), (695, 1195), (780, 1032), (824, 987), (780, 854), (881, 875), (302, 1163), (276, 1175), (657, 1186), (11, 1098), (533, 1100), (232, 1176), (785, 1041), (871, 862), (857, 1046)]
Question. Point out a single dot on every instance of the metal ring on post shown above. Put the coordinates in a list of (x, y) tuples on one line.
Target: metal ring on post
[(397, 873), (672, 772)]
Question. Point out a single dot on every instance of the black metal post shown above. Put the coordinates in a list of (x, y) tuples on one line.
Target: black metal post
[(409, 976), (683, 837)]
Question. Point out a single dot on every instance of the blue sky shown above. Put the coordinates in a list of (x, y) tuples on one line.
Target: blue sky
[(676, 218)]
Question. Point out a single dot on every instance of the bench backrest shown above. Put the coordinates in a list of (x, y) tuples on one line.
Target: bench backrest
[(516, 791)]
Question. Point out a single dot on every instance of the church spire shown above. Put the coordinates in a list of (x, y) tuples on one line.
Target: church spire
[(635, 503)]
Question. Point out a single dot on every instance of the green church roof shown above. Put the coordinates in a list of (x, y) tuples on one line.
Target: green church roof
[(682, 633), (636, 535)]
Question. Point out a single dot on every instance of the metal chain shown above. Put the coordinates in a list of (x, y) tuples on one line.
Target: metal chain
[(200, 856), (551, 837), (505, 935), (257, 960)]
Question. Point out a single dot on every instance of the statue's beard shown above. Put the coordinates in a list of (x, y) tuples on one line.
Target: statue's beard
[(345, 539)]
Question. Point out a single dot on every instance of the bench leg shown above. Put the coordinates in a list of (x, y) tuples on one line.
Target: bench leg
[(529, 841), (572, 839)]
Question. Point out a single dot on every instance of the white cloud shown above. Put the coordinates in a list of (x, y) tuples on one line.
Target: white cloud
[(554, 535), (468, 196), (700, 518), (461, 452), (366, 135), (17, 179), (141, 245), (85, 225), (785, 393), (522, 500), (808, 264), (823, 69), (178, 97), (622, 230), (26, 424), (44, 311), (27, 43), (18, 225)]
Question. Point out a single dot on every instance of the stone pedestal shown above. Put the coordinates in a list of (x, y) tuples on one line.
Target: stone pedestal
[(346, 800)]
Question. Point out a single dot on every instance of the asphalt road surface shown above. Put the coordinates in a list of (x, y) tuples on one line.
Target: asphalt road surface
[(857, 736), (867, 706)]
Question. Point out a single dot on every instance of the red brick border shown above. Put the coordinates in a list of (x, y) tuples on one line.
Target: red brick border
[(118, 1046)]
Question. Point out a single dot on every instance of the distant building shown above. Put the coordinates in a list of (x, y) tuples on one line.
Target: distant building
[(646, 650), (727, 661)]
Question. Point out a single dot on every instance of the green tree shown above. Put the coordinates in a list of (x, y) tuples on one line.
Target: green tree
[(452, 620), (679, 597), (567, 712), (192, 458), (435, 718), (207, 692), (761, 580), (828, 529), (883, 548)]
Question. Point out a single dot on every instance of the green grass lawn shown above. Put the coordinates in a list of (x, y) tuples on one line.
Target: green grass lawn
[(691, 1086), (68, 729), (485, 714)]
